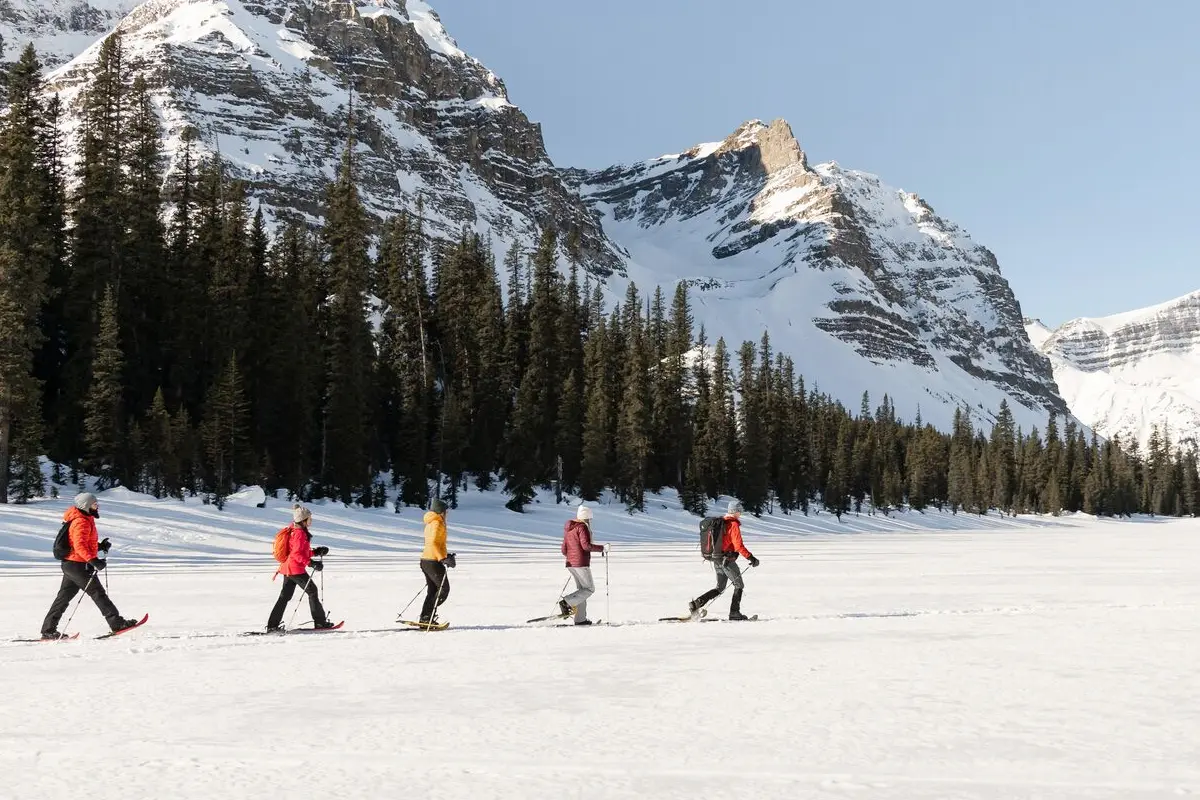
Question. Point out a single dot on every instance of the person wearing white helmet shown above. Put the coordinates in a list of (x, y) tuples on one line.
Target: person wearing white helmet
[(726, 566), (83, 561), (577, 547)]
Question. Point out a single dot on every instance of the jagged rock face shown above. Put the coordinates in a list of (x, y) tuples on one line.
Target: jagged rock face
[(269, 85), (747, 221), (58, 29), (1126, 374)]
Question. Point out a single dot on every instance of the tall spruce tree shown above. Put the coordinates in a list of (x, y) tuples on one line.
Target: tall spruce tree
[(27, 253), (346, 469), (104, 416)]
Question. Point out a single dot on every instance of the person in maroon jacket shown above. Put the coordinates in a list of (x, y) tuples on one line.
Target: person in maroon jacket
[(577, 546)]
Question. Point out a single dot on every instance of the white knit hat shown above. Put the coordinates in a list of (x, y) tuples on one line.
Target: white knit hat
[(734, 507), (300, 514), (84, 501), (583, 514)]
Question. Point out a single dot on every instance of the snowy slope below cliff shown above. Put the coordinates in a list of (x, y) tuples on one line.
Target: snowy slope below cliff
[(1126, 373), (862, 283), (269, 86), (58, 29)]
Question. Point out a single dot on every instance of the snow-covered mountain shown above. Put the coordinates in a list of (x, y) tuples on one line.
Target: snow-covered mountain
[(863, 283), (269, 84), (1126, 373), (59, 29)]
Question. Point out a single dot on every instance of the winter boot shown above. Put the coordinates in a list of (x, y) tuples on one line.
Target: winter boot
[(53, 635), (584, 622), (124, 625), (564, 609), (275, 629), (322, 625), (735, 606)]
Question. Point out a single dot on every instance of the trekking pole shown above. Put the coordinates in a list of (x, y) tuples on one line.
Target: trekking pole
[(410, 602), (78, 603), (296, 610), (437, 601), (607, 596)]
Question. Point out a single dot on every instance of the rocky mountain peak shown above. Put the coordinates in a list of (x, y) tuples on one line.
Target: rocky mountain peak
[(268, 84), (773, 146), (863, 278)]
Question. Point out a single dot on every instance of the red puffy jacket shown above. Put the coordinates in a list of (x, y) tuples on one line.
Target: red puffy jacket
[(299, 552), (577, 544), (732, 541), (82, 535)]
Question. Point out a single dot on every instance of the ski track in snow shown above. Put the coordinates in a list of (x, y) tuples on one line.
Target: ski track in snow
[(1029, 658)]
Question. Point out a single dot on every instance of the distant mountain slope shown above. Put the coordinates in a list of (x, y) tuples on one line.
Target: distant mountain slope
[(865, 284), (1126, 373), (269, 85)]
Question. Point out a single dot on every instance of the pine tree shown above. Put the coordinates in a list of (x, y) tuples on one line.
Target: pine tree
[(405, 361), (143, 250), (226, 432), (349, 351), (103, 421), (837, 488), (633, 426), (754, 450), (26, 257), (598, 431), (159, 469)]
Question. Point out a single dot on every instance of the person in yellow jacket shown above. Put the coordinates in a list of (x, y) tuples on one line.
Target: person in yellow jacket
[(434, 560)]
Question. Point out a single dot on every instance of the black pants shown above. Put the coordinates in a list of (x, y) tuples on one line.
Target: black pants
[(437, 587), (290, 582), (728, 572), (76, 576)]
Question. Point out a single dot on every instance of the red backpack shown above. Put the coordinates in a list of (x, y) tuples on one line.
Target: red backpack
[(283, 544)]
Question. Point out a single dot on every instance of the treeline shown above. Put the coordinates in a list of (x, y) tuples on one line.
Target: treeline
[(158, 337)]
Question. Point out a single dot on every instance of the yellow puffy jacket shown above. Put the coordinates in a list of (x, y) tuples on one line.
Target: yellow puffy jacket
[(435, 537)]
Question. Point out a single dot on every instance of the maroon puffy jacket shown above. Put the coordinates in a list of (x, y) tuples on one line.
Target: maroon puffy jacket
[(577, 544)]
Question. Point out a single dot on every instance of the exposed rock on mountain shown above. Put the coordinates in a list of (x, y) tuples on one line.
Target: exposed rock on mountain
[(866, 284), (1127, 373), (269, 84)]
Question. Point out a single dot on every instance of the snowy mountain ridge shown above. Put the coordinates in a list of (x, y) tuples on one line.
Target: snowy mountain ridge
[(270, 85), (1126, 373), (59, 29), (863, 283)]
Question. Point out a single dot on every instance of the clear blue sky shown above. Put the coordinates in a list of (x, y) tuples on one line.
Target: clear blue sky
[(1062, 134)]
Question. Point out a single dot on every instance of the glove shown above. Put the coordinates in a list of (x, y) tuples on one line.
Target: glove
[(753, 561), (104, 545), (317, 566), (605, 551), (450, 561), (321, 551), (97, 564)]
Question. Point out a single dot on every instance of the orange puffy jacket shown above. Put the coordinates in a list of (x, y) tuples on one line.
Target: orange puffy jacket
[(82, 534), (732, 543)]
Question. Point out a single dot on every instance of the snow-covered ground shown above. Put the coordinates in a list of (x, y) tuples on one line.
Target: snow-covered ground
[(1022, 658)]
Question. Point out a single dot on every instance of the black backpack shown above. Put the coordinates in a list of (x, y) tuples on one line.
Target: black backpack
[(62, 542), (712, 537)]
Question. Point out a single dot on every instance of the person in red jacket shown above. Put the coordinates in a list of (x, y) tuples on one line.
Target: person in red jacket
[(578, 548), (295, 573), (81, 566), (726, 565)]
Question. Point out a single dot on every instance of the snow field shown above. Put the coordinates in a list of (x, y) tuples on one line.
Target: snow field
[(1055, 663)]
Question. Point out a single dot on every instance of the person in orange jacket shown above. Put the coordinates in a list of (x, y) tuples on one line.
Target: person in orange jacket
[(81, 566), (726, 565), (434, 560)]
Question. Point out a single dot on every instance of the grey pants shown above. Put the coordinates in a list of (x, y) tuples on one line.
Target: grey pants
[(585, 587), (728, 572)]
